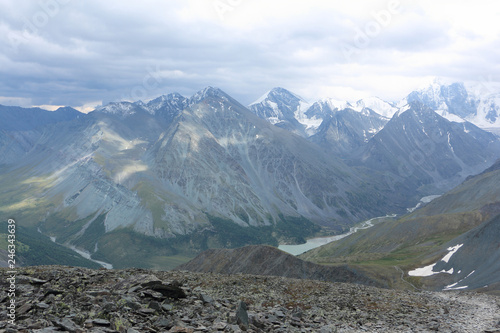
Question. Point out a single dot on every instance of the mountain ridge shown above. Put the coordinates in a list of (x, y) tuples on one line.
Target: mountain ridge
[(186, 174), (124, 173)]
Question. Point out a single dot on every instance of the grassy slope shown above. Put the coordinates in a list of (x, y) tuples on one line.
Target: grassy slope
[(33, 248), (416, 239)]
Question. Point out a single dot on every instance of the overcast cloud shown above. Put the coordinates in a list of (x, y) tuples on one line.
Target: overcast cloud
[(84, 53)]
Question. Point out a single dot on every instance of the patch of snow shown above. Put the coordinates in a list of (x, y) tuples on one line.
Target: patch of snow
[(120, 108), (311, 124), (273, 120), (429, 270), (275, 108), (423, 271), (457, 288), (449, 144), (335, 104), (452, 250), (452, 286), (450, 116), (378, 105), (402, 110), (261, 98)]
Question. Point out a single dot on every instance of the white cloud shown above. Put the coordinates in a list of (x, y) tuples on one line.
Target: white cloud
[(17, 101), (88, 107), (104, 50)]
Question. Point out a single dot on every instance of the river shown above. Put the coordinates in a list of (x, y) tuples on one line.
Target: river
[(317, 242), (84, 254)]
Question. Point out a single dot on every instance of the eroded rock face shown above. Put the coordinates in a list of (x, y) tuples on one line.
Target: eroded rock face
[(67, 299)]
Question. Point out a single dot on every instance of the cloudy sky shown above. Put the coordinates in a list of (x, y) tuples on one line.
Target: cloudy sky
[(85, 52)]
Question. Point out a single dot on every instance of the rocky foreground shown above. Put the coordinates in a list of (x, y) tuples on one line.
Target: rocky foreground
[(55, 299)]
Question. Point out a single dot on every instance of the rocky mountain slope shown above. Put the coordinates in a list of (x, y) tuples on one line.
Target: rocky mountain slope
[(427, 147), (21, 129), (54, 299), (150, 184), (426, 153), (344, 131), (466, 216), (267, 260)]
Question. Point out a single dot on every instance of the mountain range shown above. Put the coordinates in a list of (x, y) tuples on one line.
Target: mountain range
[(153, 184)]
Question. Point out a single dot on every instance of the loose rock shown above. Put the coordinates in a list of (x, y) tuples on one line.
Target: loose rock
[(55, 299)]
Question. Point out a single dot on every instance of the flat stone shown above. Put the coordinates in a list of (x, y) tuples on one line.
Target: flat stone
[(101, 322), (24, 308), (98, 292), (68, 325), (167, 307), (37, 281), (206, 299), (219, 325), (163, 323), (146, 311), (42, 305), (172, 290), (152, 294), (179, 329), (279, 314), (155, 305), (132, 330), (50, 329)]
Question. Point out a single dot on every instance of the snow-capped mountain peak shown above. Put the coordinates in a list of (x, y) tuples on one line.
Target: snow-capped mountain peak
[(402, 109), (124, 109), (261, 98), (173, 99), (336, 104), (450, 116), (283, 108), (208, 92), (378, 105), (478, 103), (288, 110)]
